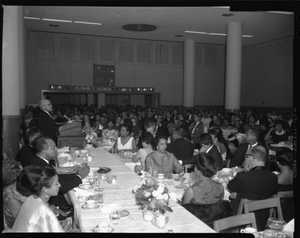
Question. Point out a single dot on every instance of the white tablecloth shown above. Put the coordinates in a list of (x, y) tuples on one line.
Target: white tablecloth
[(119, 196)]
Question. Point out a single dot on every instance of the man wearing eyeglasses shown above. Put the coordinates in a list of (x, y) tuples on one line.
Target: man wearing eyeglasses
[(255, 183)]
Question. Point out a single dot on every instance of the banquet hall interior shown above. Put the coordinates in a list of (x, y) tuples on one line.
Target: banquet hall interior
[(227, 59)]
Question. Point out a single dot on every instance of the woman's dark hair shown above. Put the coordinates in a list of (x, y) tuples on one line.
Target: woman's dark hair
[(46, 178), (148, 138), (128, 127), (28, 180), (285, 157), (282, 123), (206, 165)]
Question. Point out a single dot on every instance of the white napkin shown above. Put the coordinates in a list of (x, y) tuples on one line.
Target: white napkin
[(80, 192), (131, 165), (289, 227), (107, 208)]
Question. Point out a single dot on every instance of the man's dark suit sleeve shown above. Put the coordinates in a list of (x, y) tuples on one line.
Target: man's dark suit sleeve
[(68, 182), (190, 160)]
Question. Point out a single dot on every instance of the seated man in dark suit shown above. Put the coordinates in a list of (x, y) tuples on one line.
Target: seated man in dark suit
[(196, 128), (208, 147), (180, 147), (27, 152), (161, 127), (256, 184), (252, 136), (46, 151)]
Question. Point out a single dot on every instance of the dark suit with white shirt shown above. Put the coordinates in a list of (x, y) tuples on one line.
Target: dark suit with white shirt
[(47, 126), (181, 148)]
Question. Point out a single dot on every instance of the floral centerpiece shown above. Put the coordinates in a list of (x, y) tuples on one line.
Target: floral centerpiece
[(90, 138), (152, 195)]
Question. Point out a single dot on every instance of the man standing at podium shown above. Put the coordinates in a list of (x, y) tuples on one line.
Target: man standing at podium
[(45, 123)]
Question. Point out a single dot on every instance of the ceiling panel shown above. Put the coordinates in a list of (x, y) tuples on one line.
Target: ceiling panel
[(170, 21)]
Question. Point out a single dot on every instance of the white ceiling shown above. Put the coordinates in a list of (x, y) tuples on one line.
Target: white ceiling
[(170, 21)]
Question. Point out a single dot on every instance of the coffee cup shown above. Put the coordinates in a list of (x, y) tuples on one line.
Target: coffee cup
[(104, 227), (90, 203), (248, 230), (85, 185), (160, 176)]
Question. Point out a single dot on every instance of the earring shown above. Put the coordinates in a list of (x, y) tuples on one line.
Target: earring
[(46, 196)]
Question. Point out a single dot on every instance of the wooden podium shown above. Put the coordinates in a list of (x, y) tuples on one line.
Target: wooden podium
[(71, 135)]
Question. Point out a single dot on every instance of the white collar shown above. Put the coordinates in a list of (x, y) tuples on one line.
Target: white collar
[(48, 113), (43, 159), (279, 133), (209, 148)]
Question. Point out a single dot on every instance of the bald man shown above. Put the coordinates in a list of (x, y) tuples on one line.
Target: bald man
[(45, 123)]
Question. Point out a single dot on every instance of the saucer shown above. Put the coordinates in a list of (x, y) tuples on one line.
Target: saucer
[(97, 230), (86, 208), (181, 186), (91, 186), (124, 213)]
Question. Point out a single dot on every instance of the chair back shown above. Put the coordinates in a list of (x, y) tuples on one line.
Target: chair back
[(285, 194), (241, 205), (235, 221), (270, 203), (188, 166)]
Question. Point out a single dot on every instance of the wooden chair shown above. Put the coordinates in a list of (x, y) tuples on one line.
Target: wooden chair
[(188, 166), (235, 221), (270, 203), (285, 194)]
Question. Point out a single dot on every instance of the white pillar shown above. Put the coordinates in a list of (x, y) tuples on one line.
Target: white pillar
[(233, 67), (10, 61), (22, 71), (189, 73), (11, 78)]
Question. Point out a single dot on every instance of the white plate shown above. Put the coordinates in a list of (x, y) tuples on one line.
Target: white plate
[(86, 208), (91, 186), (97, 230)]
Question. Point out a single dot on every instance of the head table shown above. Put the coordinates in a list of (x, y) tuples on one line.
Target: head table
[(118, 196)]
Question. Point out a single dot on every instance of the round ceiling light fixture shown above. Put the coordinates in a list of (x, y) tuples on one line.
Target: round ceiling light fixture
[(139, 27)]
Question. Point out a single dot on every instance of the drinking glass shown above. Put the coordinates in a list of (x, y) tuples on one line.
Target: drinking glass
[(276, 224), (115, 217)]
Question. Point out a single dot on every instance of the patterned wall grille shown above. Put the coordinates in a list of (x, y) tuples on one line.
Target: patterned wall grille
[(144, 52), (161, 53), (126, 51), (107, 50), (210, 56), (87, 49), (177, 54), (198, 55), (45, 46), (67, 48)]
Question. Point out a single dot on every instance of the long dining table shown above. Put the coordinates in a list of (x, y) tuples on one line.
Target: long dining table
[(118, 196)]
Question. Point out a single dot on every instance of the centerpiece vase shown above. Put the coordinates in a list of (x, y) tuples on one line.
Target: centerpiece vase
[(160, 220), (148, 215), (89, 146)]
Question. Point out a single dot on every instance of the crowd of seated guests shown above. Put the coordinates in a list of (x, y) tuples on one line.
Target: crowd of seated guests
[(158, 134)]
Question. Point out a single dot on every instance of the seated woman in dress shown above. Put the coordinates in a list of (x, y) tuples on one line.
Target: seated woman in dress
[(278, 134), (285, 163), (15, 194), (125, 141), (109, 135), (86, 122), (161, 161), (35, 215), (204, 198), (148, 143)]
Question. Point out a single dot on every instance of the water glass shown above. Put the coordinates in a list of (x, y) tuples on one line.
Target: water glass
[(115, 217)]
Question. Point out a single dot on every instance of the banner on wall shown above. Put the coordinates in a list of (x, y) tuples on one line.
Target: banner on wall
[(104, 75)]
